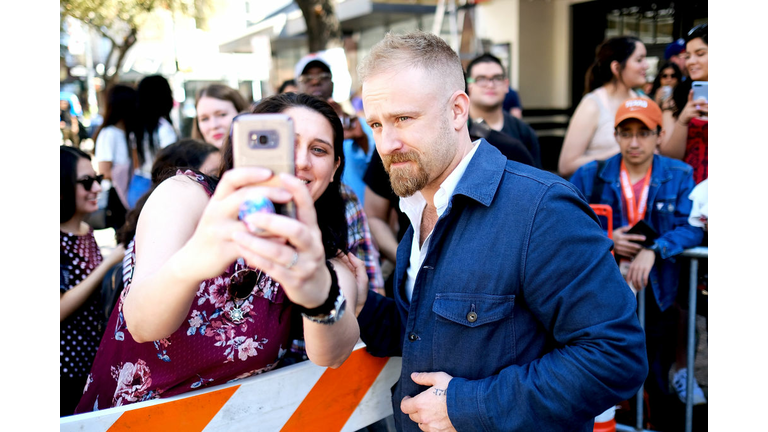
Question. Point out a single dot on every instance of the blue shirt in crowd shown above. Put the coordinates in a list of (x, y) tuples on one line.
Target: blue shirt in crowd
[(356, 162), (667, 212)]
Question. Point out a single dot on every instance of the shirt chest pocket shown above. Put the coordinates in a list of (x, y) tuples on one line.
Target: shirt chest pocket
[(470, 326), (664, 209)]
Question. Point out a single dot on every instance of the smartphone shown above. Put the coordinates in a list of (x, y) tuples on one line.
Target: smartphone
[(265, 140), (643, 228), (700, 91)]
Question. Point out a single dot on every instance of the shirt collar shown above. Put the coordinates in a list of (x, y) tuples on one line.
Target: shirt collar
[(414, 204)]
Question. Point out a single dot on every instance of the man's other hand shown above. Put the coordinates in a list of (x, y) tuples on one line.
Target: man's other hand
[(429, 408)]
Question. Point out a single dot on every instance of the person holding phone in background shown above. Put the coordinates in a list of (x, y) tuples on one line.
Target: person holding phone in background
[(211, 300), (641, 186), (686, 129)]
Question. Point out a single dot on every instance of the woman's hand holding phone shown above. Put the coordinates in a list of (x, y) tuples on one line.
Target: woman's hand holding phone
[(211, 248), (290, 250), (693, 109)]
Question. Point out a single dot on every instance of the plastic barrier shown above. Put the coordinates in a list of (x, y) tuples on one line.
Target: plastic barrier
[(299, 397)]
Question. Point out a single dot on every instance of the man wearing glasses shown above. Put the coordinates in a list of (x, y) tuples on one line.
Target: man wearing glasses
[(487, 85), (642, 186)]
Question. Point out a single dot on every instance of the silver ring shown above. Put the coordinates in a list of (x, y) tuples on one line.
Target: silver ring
[(294, 260)]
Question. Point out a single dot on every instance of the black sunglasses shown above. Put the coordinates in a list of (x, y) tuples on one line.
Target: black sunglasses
[(243, 281), (87, 181)]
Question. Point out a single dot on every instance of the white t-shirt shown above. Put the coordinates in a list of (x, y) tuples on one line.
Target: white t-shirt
[(111, 146), (166, 136)]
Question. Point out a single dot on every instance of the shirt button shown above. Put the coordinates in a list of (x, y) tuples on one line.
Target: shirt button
[(412, 337), (471, 317)]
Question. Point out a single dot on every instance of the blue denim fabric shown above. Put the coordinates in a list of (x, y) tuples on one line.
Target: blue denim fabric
[(356, 162), (667, 212), (556, 340)]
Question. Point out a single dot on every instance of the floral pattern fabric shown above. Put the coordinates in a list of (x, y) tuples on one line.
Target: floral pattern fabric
[(209, 348)]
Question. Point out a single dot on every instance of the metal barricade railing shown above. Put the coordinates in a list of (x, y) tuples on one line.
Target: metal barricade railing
[(694, 254)]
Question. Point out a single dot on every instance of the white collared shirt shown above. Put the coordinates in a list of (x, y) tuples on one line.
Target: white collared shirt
[(413, 206)]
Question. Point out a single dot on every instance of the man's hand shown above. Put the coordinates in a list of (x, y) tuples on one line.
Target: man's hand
[(429, 408), (357, 267), (623, 243), (640, 268)]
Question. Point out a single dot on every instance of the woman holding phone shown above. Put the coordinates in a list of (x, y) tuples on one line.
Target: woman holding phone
[(686, 130), (211, 300)]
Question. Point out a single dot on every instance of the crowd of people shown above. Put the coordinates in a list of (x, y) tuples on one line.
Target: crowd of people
[(424, 227)]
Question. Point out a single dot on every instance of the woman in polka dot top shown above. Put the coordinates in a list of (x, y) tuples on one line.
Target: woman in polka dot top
[(81, 271)]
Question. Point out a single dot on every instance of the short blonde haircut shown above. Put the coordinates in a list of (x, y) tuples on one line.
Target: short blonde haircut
[(419, 50)]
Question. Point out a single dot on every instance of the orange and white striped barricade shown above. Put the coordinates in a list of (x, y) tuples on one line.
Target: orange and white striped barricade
[(298, 397)]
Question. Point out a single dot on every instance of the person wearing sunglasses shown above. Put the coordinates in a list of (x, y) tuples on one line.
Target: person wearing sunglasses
[(81, 270), (666, 80), (214, 295)]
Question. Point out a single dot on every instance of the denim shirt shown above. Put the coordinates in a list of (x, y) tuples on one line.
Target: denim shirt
[(667, 212), (519, 300)]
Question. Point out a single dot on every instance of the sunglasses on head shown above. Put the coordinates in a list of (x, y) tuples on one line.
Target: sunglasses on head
[(87, 181)]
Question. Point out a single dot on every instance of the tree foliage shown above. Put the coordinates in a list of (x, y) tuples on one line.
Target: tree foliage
[(120, 21)]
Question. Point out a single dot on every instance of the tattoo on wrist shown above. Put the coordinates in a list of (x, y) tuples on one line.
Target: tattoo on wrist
[(440, 392)]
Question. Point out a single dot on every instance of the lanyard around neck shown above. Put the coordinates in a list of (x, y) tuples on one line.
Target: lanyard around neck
[(635, 209)]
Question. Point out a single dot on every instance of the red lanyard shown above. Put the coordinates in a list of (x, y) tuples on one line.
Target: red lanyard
[(635, 210)]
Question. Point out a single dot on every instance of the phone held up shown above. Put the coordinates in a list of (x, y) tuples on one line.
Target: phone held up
[(700, 91), (265, 140)]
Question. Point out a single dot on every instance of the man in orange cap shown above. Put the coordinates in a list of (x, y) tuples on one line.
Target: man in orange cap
[(643, 187)]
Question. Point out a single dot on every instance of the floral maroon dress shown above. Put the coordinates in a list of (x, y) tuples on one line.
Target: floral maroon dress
[(211, 347)]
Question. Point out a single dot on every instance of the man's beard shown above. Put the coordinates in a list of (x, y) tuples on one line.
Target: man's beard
[(407, 180), (438, 153)]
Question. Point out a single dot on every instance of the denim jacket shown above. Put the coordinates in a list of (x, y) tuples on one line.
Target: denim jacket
[(667, 212), (519, 300)]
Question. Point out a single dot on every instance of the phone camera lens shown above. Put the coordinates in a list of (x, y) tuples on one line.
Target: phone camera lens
[(263, 139)]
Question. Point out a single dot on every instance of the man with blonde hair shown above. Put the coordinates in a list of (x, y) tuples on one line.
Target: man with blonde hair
[(508, 310)]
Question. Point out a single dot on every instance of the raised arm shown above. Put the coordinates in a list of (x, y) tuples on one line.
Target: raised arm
[(675, 130), (295, 257), (182, 239)]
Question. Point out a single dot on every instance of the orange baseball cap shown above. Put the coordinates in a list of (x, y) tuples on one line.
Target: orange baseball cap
[(645, 110)]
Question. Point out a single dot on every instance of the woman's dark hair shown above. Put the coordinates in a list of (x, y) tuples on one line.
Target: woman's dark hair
[(155, 101), (221, 92), (286, 83), (68, 159), (657, 81), (121, 105), (330, 207), (700, 31), (187, 154), (617, 49)]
